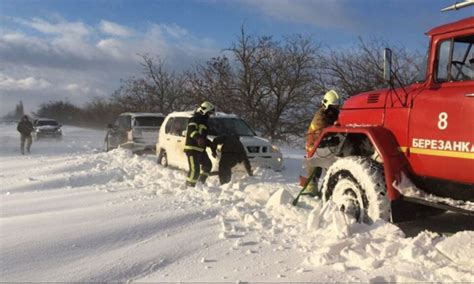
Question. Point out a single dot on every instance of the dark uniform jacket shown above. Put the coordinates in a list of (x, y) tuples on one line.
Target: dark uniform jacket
[(233, 152), (25, 127), (197, 129)]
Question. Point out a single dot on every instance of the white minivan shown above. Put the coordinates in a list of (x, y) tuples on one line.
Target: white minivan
[(170, 145)]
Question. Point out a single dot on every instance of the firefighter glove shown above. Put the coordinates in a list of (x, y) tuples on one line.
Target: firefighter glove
[(201, 142)]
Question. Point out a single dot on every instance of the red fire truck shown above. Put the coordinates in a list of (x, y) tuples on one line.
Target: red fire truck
[(412, 143)]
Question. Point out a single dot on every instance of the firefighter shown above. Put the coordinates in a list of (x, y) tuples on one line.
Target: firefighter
[(25, 127), (196, 142), (324, 117), (232, 153)]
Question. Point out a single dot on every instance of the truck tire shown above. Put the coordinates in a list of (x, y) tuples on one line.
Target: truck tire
[(357, 186), (163, 158)]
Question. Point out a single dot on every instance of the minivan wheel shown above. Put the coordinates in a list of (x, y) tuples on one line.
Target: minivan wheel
[(357, 186), (163, 158)]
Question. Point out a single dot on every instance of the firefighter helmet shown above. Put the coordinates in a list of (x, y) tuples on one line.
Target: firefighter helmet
[(205, 108), (330, 98)]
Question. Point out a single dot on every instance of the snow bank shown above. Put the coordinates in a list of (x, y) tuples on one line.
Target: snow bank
[(333, 240), (75, 214), (459, 248)]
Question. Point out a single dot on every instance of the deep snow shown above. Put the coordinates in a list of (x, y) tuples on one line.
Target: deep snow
[(70, 212)]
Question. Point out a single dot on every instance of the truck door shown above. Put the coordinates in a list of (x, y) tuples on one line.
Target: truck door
[(441, 129)]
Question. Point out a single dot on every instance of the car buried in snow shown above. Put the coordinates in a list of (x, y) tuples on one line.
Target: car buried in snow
[(47, 128), (137, 131), (170, 145), (400, 146)]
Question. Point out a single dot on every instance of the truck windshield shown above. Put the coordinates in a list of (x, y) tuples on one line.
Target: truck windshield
[(456, 59), (148, 121), (46, 122), (221, 125)]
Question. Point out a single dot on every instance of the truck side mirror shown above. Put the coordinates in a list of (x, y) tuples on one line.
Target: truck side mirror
[(387, 65)]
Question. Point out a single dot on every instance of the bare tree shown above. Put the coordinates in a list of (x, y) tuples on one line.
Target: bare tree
[(274, 85), (165, 88), (249, 79), (101, 111), (213, 81), (268, 83), (134, 95), (288, 74), (63, 111), (360, 68)]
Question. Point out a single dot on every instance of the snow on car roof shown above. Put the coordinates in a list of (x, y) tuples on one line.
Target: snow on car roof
[(135, 114), (223, 114), (190, 113)]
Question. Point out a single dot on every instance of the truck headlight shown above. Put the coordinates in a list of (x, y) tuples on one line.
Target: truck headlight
[(275, 149)]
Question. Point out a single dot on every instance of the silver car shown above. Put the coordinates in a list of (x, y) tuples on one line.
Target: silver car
[(136, 131)]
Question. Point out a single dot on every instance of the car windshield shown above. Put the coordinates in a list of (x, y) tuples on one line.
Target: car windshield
[(219, 126), (46, 122), (148, 121)]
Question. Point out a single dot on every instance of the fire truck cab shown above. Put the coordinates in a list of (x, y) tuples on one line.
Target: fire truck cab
[(413, 143)]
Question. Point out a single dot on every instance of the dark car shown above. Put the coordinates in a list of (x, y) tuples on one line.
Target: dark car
[(47, 128)]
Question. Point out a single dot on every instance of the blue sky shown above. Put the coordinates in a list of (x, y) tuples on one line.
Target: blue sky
[(78, 49)]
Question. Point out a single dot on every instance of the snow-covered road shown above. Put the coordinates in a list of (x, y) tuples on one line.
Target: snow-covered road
[(72, 213)]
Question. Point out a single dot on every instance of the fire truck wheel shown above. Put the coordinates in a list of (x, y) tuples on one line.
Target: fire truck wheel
[(357, 186)]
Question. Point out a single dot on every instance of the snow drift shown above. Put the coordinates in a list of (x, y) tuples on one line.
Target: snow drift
[(72, 213)]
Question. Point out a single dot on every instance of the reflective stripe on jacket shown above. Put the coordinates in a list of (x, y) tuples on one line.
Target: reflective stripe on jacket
[(197, 128)]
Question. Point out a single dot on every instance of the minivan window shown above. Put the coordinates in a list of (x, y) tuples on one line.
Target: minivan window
[(168, 125), (148, 121), (179, 125), (221, 125)]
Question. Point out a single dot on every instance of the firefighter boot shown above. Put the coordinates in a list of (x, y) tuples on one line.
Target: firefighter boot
[(203, 177)]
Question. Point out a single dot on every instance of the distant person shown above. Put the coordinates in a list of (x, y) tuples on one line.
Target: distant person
[(196, 142), (232, 153), (25, 127)]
